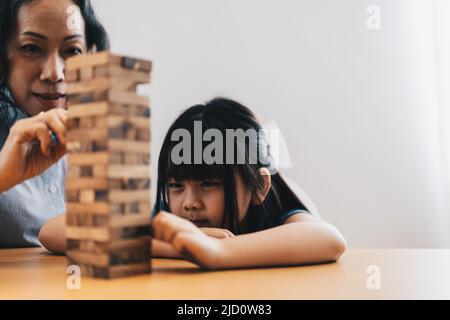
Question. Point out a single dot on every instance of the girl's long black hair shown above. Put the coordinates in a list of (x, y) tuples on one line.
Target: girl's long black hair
[(223, 114)]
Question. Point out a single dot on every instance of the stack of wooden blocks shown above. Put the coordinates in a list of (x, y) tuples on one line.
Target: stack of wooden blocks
[(108, 184)]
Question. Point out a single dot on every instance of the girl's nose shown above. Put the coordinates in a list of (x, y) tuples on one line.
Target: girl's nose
[(53, 69), (192, 202)]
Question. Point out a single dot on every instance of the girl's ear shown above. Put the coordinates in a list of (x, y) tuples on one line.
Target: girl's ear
[(261, 196)]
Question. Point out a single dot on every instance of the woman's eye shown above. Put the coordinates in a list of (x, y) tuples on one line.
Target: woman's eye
[(174, 186), (73, 52), (210, 184), (31, 49)]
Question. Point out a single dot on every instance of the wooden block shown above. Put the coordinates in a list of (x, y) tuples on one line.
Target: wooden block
[(143, 135), (94, 259), (87, 123), (72, 76), (135, 76), (129, 146), (94, 208), (99, 171), (136, 64), (128, 171), (129, 243), (73, 124), (101, 84), (86, 73), (131, 220), (88, 60), (87, 97), (130, 158), (89, 86), (87, 196), (71, 196), (97, 158), (75, 219), (115, 271), (132, 98), (73, 171), (86, 171), (86, 183), (129, 232), (73, 146), (126, 196), (95, 134), (88, 233), (101, 71), (137, 184), (88, 110)]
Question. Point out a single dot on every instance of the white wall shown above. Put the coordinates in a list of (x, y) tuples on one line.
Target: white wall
[(361, 110)]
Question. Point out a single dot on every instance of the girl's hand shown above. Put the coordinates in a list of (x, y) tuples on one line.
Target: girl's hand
[(28, 150), (188, 240), (218, 233)]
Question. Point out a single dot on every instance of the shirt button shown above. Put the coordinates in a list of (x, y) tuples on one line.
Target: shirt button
[(52, 189)]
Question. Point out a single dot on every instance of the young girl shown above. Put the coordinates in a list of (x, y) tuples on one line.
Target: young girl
[(231, 212)]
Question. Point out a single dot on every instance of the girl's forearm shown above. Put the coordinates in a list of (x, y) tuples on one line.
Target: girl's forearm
[(289, 244), (162, 249), (53, 237)]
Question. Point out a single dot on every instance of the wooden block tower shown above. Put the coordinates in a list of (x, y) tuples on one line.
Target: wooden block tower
[(108, 184)]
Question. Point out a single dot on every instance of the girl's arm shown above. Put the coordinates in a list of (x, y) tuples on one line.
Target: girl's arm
[(53, 237), (301, 240)]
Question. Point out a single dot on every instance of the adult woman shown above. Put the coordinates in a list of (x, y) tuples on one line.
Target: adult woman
[(36, 37)]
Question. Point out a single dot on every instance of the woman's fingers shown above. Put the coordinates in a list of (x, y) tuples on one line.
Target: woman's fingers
[(43, 135), (56, 122)]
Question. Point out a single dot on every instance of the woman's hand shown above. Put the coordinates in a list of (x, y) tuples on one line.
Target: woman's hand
[(29, 151), (188, 240)]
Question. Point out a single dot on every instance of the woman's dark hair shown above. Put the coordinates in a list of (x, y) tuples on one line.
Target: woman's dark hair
[(222, 114), (9, 9)]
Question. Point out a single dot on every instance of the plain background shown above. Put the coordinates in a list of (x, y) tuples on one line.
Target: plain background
[(364, 113)]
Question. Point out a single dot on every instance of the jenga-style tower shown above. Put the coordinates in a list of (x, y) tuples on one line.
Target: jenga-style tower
[(108, 184)]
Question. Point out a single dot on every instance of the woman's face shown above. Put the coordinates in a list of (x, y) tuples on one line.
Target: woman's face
[(47, 33)]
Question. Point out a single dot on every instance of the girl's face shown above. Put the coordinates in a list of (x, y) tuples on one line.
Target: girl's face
[(47, 33), (203, 203)]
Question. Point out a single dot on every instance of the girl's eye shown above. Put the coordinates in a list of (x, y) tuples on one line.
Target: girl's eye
[(73, 52), (210, 184), (31, 49), (174, 186)]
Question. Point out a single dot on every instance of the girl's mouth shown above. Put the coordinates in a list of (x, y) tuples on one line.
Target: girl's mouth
[(49, 99)]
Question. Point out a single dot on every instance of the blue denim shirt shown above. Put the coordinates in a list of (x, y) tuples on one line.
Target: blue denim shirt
[(27, 206)]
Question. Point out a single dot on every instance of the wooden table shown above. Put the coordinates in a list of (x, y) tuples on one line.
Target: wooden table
[(32, 273)]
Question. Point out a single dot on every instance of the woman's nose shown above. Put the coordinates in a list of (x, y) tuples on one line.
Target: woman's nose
[(53, 69)]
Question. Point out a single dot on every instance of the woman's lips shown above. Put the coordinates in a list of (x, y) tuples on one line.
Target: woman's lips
[(51, 100)]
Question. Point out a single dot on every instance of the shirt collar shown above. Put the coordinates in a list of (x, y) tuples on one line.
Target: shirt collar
[(10, 113)]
